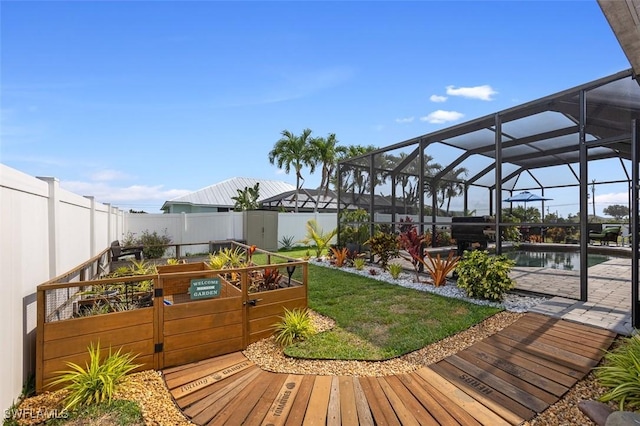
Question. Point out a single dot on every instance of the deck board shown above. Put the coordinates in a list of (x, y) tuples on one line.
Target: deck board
[(504, 379)]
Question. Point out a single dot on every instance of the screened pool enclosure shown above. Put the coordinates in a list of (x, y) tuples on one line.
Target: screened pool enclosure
[(570, 148)]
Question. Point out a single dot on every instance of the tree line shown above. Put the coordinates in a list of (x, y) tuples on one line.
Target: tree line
[(293, 152)]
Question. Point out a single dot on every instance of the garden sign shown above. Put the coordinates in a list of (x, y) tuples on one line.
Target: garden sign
[(204, 288)]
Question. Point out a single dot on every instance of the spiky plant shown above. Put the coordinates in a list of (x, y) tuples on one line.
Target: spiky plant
[(317, 236), (620, 373), (439, 268), (395, 269), (340, 256), (295, 325), (98, 381)]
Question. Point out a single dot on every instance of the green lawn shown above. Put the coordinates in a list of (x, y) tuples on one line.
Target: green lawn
[(376, 320)]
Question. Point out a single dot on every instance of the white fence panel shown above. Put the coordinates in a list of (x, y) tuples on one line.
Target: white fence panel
[(295, 225), (24, 263), (189, 228), (46, 231), (74, 230)]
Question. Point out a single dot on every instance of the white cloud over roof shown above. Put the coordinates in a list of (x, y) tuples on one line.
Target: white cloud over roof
[(441, 116), (483, 93), (438, 98)]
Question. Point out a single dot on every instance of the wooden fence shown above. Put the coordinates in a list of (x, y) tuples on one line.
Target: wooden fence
[(172, 329)]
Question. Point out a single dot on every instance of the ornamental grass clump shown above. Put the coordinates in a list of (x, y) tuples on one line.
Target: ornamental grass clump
[(395, 269), (485, 276), (359, 263), (620, 373), (98, 381), (295, 325)]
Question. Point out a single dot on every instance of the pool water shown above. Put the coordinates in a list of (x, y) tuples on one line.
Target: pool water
[(565, 260)]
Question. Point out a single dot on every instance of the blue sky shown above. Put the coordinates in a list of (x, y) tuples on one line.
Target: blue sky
[(139, 102)]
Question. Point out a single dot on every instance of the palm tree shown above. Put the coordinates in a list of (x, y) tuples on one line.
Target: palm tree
[(326, 152), (247, 199), (353, 177), (452, 185), (293, 151)]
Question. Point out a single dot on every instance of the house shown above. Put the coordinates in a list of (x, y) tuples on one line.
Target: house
[(219, 197)]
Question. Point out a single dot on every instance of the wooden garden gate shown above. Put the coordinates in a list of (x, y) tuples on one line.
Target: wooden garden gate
[(175, 330)]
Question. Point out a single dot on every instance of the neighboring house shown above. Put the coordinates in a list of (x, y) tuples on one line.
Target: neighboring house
[(219, 197)]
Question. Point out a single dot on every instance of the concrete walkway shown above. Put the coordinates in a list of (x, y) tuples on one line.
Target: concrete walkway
[(609, 298)]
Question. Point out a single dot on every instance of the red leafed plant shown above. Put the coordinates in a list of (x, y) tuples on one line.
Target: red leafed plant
[(412, 243), (271, 278), (439, 268)]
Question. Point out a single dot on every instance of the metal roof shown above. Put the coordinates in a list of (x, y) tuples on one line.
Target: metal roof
[(220, 194), (317, 199)]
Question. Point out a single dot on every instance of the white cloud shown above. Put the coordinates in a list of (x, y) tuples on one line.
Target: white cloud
[(437, 98), (404, 120), (105, 193), (440, 116), (613, 198), (109, 175), (484, 93)]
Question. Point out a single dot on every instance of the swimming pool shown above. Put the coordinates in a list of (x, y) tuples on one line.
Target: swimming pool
[(565, 260)]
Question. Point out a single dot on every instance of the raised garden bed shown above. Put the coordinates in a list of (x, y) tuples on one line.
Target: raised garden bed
[(160, 318)]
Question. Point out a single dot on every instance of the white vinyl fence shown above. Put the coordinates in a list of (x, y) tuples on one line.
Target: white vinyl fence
[(45, 231), (185, 228)]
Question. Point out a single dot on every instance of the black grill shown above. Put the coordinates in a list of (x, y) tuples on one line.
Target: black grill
[(472, 232)]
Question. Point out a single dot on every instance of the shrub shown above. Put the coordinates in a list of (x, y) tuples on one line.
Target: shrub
[(385, 246), (153, 244), (295, 325), (485, 276), (359, 263), (395, 269), (354, 227), (98, 381), (443, 238), (557, 234), (621, 374)]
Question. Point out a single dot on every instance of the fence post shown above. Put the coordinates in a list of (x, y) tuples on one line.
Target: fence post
[(54, 185), (158, 322), (40, 300), (92, 226), (183, 229)]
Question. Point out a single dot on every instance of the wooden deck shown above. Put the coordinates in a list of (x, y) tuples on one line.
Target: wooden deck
[(504, 379)]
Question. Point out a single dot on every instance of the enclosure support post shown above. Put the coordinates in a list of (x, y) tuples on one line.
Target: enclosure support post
[(635, 223), (498, 140), (421, 187), (338, 192), (584, 213)]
